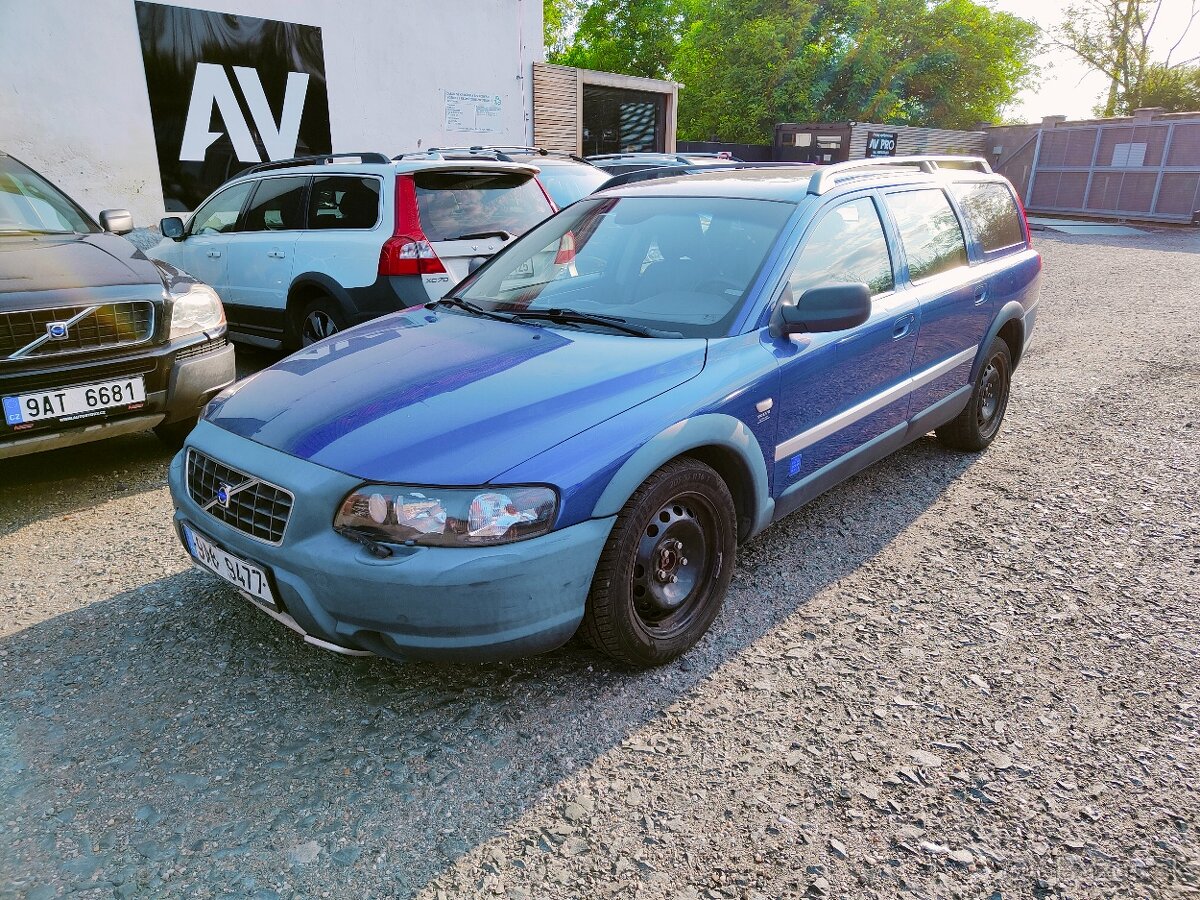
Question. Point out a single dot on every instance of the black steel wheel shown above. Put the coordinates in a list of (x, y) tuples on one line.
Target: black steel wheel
[(979, 423), (665, 568)]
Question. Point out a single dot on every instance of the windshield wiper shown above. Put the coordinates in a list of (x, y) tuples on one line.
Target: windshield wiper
[(477, 310), (503, 235), (575, 317)]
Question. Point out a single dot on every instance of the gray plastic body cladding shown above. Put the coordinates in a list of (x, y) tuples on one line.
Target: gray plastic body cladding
[(429, 602)]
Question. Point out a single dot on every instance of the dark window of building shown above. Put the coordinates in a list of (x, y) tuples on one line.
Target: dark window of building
[(343, 201), (616, 120), (929, 229), (991, 213), (277, 205), (847, 245)]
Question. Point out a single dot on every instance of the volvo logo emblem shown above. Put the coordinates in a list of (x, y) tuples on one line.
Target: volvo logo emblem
[(224, 492), (58, 331)]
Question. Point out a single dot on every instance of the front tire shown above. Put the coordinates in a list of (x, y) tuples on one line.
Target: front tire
[(979, 423), (321, 318), (665, 568)]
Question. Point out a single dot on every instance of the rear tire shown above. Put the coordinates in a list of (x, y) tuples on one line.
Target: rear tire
[(322, 317), (979, 423), (665, 568), (173, 434)]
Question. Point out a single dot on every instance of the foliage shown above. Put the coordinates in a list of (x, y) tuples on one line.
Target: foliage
[(559, 20), (1174, 88), (630, 37), (1113, 38), (749, 64)]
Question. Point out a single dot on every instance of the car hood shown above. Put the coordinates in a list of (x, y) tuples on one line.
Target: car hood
[(53, 263), (440, 399)]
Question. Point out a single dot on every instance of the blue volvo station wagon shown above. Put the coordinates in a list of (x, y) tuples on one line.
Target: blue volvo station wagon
[(579, 435)]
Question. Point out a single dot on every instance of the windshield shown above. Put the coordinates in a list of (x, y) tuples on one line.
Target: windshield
[(676, 264), (457, 203), (566, 184), (29, 204)]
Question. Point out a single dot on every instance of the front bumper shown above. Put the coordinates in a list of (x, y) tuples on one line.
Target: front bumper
[(179, 377), (468, 604)]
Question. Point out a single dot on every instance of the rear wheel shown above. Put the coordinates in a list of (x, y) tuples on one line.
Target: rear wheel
[(979, 423), (321, 318), (665, 568)]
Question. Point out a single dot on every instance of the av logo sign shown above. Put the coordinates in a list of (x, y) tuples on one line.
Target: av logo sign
[(227, 92), (212, 88)]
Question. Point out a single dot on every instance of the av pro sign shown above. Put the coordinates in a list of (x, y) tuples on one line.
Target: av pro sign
[(227, 92)]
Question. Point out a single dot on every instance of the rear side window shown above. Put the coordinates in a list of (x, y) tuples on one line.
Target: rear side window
[(277, 205), (991, 213), (343, 201), (929, 229), (847, 245), (453, 204)]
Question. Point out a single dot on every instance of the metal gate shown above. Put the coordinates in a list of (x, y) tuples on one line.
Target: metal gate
[(1132, 171)]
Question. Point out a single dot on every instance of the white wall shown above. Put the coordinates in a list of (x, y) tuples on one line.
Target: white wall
[(73, 100)]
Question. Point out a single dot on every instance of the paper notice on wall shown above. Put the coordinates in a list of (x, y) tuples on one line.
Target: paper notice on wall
[(474, 113)]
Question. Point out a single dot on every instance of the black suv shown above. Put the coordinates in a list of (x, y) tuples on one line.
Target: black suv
[(95, 339)]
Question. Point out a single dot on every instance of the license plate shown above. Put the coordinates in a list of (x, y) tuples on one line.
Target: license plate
[(74, 402), (246, 577)]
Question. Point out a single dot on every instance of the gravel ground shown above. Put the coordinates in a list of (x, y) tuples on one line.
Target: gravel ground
[(951, 676)]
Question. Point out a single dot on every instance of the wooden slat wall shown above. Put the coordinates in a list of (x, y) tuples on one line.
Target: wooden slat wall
[(914, 141), (556, 112)]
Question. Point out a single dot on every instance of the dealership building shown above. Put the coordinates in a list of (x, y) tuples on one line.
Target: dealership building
[(126, 103)]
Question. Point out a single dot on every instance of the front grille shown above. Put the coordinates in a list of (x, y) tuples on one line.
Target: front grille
[(201, 349), (24, 334), (255, 507)]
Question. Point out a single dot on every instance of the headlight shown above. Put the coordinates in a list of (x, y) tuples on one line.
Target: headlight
[(448, 517), (198, 310)]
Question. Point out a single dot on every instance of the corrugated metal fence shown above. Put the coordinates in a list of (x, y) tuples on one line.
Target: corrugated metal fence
[(1138, 171)]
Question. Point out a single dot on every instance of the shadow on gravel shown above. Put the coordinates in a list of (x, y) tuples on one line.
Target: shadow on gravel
[(173, 740)]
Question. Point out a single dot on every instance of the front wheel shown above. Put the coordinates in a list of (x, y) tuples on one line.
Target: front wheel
[(665, 568), (979, 423)]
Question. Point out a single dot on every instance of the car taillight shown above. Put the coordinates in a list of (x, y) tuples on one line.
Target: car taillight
[(403, 255), (408, 251), (566, 250)]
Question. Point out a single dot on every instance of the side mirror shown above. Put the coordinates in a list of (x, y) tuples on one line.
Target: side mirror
[(171, 227), (116, 221), (830, 307)]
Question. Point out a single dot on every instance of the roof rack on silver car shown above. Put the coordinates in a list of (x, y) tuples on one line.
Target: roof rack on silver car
[(324, 159), (830, 175)]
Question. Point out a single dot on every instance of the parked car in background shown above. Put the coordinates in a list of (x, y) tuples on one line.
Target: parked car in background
[(300, 249), (579, 435), (564, 176), (96, 340), (621, 163)]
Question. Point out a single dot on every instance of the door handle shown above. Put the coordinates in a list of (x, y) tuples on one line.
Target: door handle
[(214, 254), (903, 326), (276, 254)]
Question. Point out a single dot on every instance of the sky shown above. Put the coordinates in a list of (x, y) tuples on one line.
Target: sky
[(1067, 86)]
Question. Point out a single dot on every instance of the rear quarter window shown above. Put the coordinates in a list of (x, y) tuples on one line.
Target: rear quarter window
[(991, 213), (343, 201)]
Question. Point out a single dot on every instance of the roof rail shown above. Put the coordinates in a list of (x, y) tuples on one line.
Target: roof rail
[(324, 159), (652, 172), (829, 176)]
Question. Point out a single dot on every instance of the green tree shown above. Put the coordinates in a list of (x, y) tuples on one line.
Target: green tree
[(1113, 38), (630, 37), (559, 19), (1174, 88), (749, 64)]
